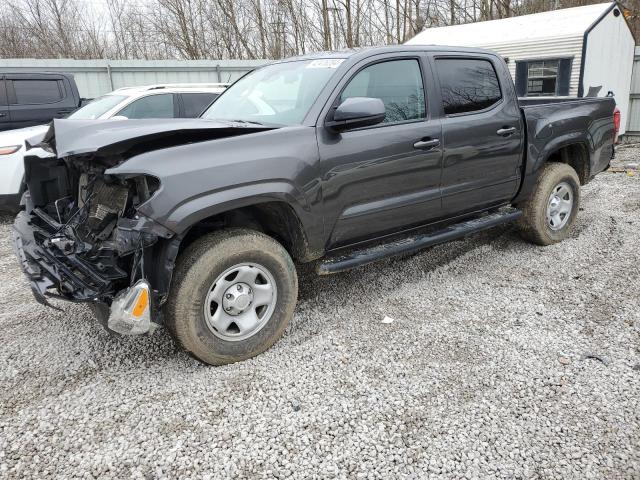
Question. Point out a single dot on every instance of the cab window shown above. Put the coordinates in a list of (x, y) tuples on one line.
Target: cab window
[(467, 84), (398, 83)]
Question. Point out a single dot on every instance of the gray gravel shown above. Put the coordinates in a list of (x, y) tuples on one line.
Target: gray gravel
[(503, 360)]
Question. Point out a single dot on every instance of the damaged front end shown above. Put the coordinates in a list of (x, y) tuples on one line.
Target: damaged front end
[(81, 238)]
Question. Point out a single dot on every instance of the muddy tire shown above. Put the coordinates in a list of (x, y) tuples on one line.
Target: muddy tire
[(232, 296), (550, 211)]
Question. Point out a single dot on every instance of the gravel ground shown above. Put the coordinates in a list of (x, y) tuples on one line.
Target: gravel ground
[(504, 360)]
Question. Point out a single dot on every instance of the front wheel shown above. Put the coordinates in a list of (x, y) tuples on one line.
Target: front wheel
[(232, 296), (549, 214)]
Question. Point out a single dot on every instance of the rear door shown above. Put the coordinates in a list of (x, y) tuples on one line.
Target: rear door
[(481, 131), (5, 122), (35, 99), (193, 104), (384, 178)]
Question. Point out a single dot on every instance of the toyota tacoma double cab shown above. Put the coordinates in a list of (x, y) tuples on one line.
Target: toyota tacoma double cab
[(339, 158)]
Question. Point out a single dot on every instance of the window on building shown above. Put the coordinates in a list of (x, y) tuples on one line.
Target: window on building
[(467, 84), (542, 78), (545, 77)]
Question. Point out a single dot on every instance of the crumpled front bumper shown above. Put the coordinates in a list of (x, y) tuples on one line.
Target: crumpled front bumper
[(54, 273)]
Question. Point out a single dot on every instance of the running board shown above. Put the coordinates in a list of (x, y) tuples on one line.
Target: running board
[(417, 242)]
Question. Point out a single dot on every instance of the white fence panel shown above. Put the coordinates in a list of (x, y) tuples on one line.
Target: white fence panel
[(97, 77)]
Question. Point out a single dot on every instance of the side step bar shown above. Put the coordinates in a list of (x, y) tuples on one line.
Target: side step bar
[(417, 242)]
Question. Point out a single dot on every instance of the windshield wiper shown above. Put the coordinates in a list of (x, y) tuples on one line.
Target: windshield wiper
[(246, 121)]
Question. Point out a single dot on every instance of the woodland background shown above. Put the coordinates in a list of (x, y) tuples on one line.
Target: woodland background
[(238, 29)]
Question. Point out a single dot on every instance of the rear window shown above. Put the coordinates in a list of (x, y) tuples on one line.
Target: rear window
[(195, 103), (467, 85), (30, 92)]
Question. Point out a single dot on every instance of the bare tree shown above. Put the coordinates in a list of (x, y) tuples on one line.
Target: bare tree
[(242, 29)]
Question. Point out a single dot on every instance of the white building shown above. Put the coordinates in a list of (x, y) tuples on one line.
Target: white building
[(576, 52)]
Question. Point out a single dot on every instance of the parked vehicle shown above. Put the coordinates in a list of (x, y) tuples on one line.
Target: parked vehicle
[(152, 101), (28, 99), (337, 158)]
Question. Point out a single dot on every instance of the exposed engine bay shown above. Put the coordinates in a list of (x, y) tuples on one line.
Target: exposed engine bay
[(85, 240), (81, 236)]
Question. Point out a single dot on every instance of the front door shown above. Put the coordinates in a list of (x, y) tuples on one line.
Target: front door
[(481, 132), (384, 178)]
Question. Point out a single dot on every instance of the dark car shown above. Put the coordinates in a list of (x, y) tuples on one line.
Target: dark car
[(335, 158), (28, 99)]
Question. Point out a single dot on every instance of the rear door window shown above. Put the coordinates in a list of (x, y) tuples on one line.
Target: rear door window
[(195, 103), (29, 92), (152, 106), (467, 84)]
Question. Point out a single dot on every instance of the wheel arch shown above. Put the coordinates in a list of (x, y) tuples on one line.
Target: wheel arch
[(574, 154), (574, 149), (273, 216)]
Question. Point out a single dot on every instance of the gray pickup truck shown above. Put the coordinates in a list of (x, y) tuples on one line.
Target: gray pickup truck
[(335, 158)]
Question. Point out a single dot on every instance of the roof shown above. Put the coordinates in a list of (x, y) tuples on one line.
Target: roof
[(365, 52), (555, 23), (175, 87)]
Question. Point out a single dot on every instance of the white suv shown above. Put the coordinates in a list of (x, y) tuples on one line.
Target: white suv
[(153, 101)]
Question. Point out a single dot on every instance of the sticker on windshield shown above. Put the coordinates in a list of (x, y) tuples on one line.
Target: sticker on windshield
[(326, 63)]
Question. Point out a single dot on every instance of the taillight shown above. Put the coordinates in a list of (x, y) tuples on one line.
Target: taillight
[(616, 121)]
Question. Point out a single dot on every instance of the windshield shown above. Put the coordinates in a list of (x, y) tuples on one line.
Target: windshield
[(98, 107), (280, 94)]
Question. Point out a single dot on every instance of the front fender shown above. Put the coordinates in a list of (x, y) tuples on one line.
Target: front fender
[(192, 210), (202, 179)]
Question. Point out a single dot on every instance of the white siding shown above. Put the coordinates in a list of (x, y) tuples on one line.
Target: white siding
[(609, 62), (543, 48)]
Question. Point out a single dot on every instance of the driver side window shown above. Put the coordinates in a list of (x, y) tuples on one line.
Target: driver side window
[(398, 83)]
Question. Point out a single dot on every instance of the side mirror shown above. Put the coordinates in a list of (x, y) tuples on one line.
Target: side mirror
[(357, 112), (119, 117)]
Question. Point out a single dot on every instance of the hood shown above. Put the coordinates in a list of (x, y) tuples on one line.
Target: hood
[(126, 138)]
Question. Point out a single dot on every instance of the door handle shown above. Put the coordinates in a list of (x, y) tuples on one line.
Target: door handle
[(3, 114), (427, 144), (506, 131)]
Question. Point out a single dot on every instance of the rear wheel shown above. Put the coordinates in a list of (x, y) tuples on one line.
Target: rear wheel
[(550, 212), (232, 296)]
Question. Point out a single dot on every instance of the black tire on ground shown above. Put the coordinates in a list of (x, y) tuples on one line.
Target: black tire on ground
[(197, 269), (533, 224)]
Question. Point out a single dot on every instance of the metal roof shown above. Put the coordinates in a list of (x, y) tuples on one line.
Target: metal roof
[(555, 23)]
